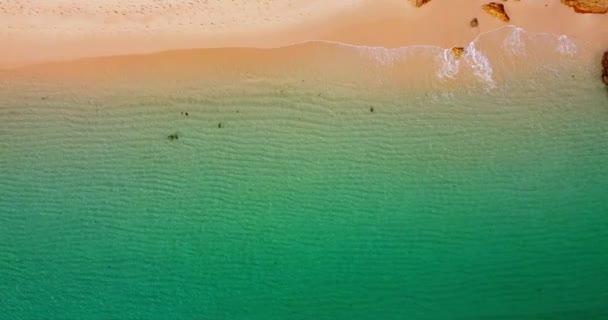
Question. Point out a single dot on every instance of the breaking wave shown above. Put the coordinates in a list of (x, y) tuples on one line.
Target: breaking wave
[(481, 56), (566, 46)]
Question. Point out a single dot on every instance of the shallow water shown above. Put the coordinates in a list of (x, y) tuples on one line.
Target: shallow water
[(472, 202)]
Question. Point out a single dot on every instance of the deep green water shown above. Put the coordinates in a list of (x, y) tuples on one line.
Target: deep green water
[(462, 205)]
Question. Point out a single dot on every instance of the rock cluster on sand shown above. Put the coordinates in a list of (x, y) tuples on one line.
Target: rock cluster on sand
[(605, 68), (588, 6), (419, 3), (457, 52), (496, 9)]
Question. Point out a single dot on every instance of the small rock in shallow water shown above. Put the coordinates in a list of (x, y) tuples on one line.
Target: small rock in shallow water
[(457, 52), (173, 137)]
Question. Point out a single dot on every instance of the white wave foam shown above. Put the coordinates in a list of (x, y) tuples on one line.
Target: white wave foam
[(480, 64), (450, 65), (475, 58), (566, 46), (514, 43)]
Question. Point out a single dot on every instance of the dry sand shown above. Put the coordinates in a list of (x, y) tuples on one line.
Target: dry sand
[(31, 32)]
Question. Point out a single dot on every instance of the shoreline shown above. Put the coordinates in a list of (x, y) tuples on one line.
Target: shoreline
[(388, 24), (490, 61)]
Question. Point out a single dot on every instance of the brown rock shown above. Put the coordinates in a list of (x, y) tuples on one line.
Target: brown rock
[(588, 6), (419, 3), (496, 9), (605, 68), (474, 23), (457, 52)]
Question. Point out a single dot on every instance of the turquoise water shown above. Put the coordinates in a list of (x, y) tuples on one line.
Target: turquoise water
[(467, 204)]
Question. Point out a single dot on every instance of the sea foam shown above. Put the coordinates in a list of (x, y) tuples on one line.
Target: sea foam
[(514, 43), (480, 63), (450, 65), (566, 46)]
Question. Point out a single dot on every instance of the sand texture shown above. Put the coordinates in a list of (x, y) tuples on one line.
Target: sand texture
[(33, 32)]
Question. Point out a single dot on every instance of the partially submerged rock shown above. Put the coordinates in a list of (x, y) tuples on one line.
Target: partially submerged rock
[(419, 3), (496, 9), (173, 137), (458, 52), (474, 23), (605, 68), (588, 6)]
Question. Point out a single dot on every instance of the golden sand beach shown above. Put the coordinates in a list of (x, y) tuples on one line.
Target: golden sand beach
[(64, 30)]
